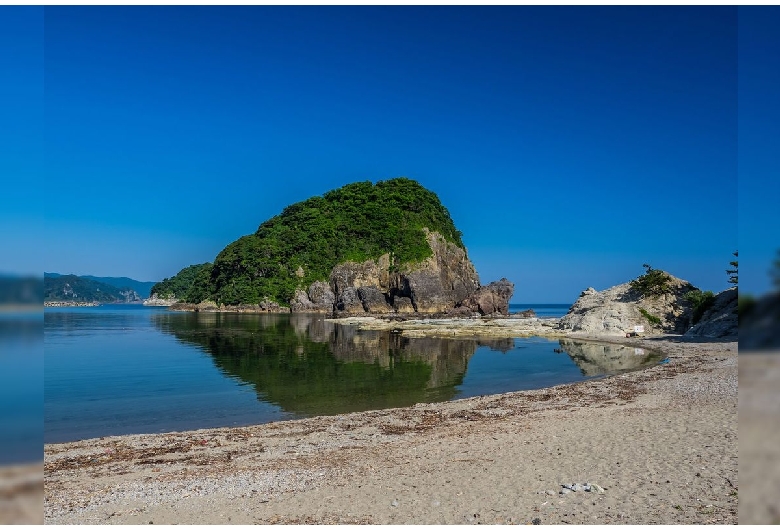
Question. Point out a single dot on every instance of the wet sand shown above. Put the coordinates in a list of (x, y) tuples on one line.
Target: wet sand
[(661, 442)]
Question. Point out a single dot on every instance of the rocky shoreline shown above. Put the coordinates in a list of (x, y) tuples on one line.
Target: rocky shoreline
[(56, 303), (620, 311)]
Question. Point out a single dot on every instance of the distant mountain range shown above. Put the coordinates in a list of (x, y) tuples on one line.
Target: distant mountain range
[(143, 289)]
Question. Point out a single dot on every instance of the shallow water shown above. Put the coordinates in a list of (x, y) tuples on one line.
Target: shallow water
[(131, 369)]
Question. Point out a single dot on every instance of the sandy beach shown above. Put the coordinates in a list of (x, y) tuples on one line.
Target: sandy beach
[(660, 444)]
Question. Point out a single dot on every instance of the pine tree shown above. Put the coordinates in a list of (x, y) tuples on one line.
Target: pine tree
[(734, 272)]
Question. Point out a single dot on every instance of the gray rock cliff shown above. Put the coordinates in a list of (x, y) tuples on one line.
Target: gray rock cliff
[(435, 285)]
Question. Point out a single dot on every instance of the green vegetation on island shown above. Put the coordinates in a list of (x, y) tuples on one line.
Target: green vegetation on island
[(301, 245), (700, 301), (191, 284), (653, 282)]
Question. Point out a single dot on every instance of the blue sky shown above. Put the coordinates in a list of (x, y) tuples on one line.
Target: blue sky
[(570, 144), (759, 146)]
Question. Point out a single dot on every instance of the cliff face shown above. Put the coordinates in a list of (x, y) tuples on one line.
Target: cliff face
[(435, 285)]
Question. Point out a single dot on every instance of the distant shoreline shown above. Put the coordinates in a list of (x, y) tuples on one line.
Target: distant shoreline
[(63, 303), (57, 303)]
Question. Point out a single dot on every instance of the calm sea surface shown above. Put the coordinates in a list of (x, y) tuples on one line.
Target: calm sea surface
[(21, 387), (124, 369)]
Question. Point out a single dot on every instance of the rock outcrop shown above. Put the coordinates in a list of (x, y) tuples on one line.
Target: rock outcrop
[(435, 285), (615, 311), (154, 300), (491, 299), (719, 321)]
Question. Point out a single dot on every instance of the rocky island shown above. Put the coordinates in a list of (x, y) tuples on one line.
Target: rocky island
[(389, 248)]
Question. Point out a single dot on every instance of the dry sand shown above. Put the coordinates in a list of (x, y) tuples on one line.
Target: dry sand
[(661, 442)]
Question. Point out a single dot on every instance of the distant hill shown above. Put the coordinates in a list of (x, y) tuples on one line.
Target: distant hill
[(142, 288), (72, 288)]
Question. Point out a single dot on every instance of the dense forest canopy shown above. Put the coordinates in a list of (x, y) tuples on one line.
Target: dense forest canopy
[(301, 245)]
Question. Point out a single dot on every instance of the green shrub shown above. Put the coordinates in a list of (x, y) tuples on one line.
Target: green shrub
[(653, 282), (700, 302), (654, 320)]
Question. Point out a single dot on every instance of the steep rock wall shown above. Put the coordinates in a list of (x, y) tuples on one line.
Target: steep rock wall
[(435, 285)]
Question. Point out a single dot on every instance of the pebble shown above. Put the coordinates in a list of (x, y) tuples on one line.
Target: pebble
[(395, 503), (587, 487)]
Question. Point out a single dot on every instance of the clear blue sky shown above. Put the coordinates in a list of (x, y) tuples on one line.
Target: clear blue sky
[(570, 144), (759, 146)]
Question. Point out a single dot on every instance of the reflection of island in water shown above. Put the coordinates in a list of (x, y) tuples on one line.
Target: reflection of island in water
[(596, 359), (310, 367)]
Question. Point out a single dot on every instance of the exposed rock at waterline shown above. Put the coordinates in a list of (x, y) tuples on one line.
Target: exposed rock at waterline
[(615, 311), (491, 299), (207, 306), (155, 300)]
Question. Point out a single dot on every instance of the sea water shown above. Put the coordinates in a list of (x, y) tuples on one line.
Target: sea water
[(122, 369)]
